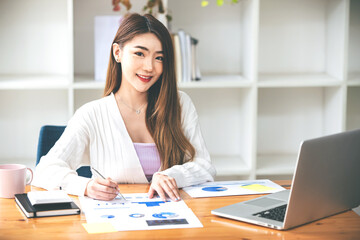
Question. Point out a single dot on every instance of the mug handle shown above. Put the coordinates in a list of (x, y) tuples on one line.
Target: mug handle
[(32, 175)]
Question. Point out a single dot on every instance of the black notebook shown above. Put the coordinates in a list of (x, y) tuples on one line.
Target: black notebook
[(45, 210)]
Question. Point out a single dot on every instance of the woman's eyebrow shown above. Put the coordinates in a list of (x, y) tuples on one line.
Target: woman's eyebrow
[(146, 49)]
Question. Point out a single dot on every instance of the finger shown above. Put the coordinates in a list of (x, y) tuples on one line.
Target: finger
[(151, 192), (93, 192), (107, 185), (169, 189), (88, 187), (107, 182), (103, 196), (175, 189), (160, 192), (113, 183), (102, 185)]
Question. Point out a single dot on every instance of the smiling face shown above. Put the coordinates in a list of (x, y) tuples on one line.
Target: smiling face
[(141, 61)]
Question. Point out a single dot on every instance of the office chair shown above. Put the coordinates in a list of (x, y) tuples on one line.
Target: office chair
[(48, 136)]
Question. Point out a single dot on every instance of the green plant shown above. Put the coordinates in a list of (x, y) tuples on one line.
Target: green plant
[(151, 7), (204, 3), (157, 6), (116, 4)]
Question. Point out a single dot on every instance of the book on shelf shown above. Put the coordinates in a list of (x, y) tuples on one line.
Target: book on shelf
[(195, 70), (177, 56), (46, 204), (186, 64)]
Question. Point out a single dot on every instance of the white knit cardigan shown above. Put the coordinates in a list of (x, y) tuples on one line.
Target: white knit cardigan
[(96, 135)]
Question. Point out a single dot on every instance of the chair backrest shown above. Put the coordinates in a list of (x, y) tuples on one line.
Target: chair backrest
[(48, 136)]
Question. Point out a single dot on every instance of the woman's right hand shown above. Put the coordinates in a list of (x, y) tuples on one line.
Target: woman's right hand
[(102, 189)]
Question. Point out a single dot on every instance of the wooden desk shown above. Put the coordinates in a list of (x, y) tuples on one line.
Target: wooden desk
[(14, 225)]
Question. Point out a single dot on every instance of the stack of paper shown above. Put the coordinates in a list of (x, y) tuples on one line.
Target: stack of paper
[(139, 213), (232, 188)]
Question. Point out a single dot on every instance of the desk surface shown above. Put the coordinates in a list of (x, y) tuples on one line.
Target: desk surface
[(14, 225)]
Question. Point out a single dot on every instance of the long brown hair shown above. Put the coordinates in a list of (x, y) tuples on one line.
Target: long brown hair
[(163, 114)]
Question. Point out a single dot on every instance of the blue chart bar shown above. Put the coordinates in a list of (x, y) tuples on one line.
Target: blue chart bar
[(151, 204), (165, 215), (214, 189)]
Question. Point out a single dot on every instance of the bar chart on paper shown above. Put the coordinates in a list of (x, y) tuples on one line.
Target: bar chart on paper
[(139, 212)]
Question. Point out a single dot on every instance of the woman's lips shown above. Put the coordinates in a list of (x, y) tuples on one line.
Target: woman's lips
[(144, 78)]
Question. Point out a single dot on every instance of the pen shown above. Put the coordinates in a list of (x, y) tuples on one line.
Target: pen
[(97, 172)]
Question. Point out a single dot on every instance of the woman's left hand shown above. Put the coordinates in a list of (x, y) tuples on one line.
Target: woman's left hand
[(164, 185)]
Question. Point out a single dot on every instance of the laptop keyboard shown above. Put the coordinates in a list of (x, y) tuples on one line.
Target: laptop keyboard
[(277, 214)]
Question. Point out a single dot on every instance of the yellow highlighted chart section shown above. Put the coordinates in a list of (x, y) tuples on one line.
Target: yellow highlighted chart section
[(258, 188), (104, 227), (233, 188)]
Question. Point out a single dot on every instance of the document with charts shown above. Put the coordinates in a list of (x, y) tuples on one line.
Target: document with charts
[(139, 213), (232, 188)]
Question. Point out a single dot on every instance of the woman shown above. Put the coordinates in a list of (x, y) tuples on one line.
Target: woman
[(143, 130)]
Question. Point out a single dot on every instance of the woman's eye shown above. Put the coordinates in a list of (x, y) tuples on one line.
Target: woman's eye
[(160, 58), (140, 54)]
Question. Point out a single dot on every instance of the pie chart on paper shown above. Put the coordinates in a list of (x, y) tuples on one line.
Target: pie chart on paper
[(214, 189)]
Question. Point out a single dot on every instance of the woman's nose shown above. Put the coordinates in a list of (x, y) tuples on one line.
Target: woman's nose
[(148, 64)]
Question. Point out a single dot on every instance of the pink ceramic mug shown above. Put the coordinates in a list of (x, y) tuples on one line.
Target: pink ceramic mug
[(13, 179)]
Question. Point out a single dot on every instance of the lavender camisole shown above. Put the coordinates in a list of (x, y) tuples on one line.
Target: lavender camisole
[(149, 158)]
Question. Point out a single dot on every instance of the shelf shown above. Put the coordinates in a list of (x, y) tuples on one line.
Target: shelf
[(276, 164), (218, 81), (230, 165), (214, 81), (25, 82), (297, 80), (87, 82)]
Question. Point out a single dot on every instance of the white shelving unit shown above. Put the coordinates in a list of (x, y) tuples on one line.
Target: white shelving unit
[(275, 72)]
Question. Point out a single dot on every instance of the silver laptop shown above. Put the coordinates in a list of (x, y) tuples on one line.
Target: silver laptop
[(326, 181)]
